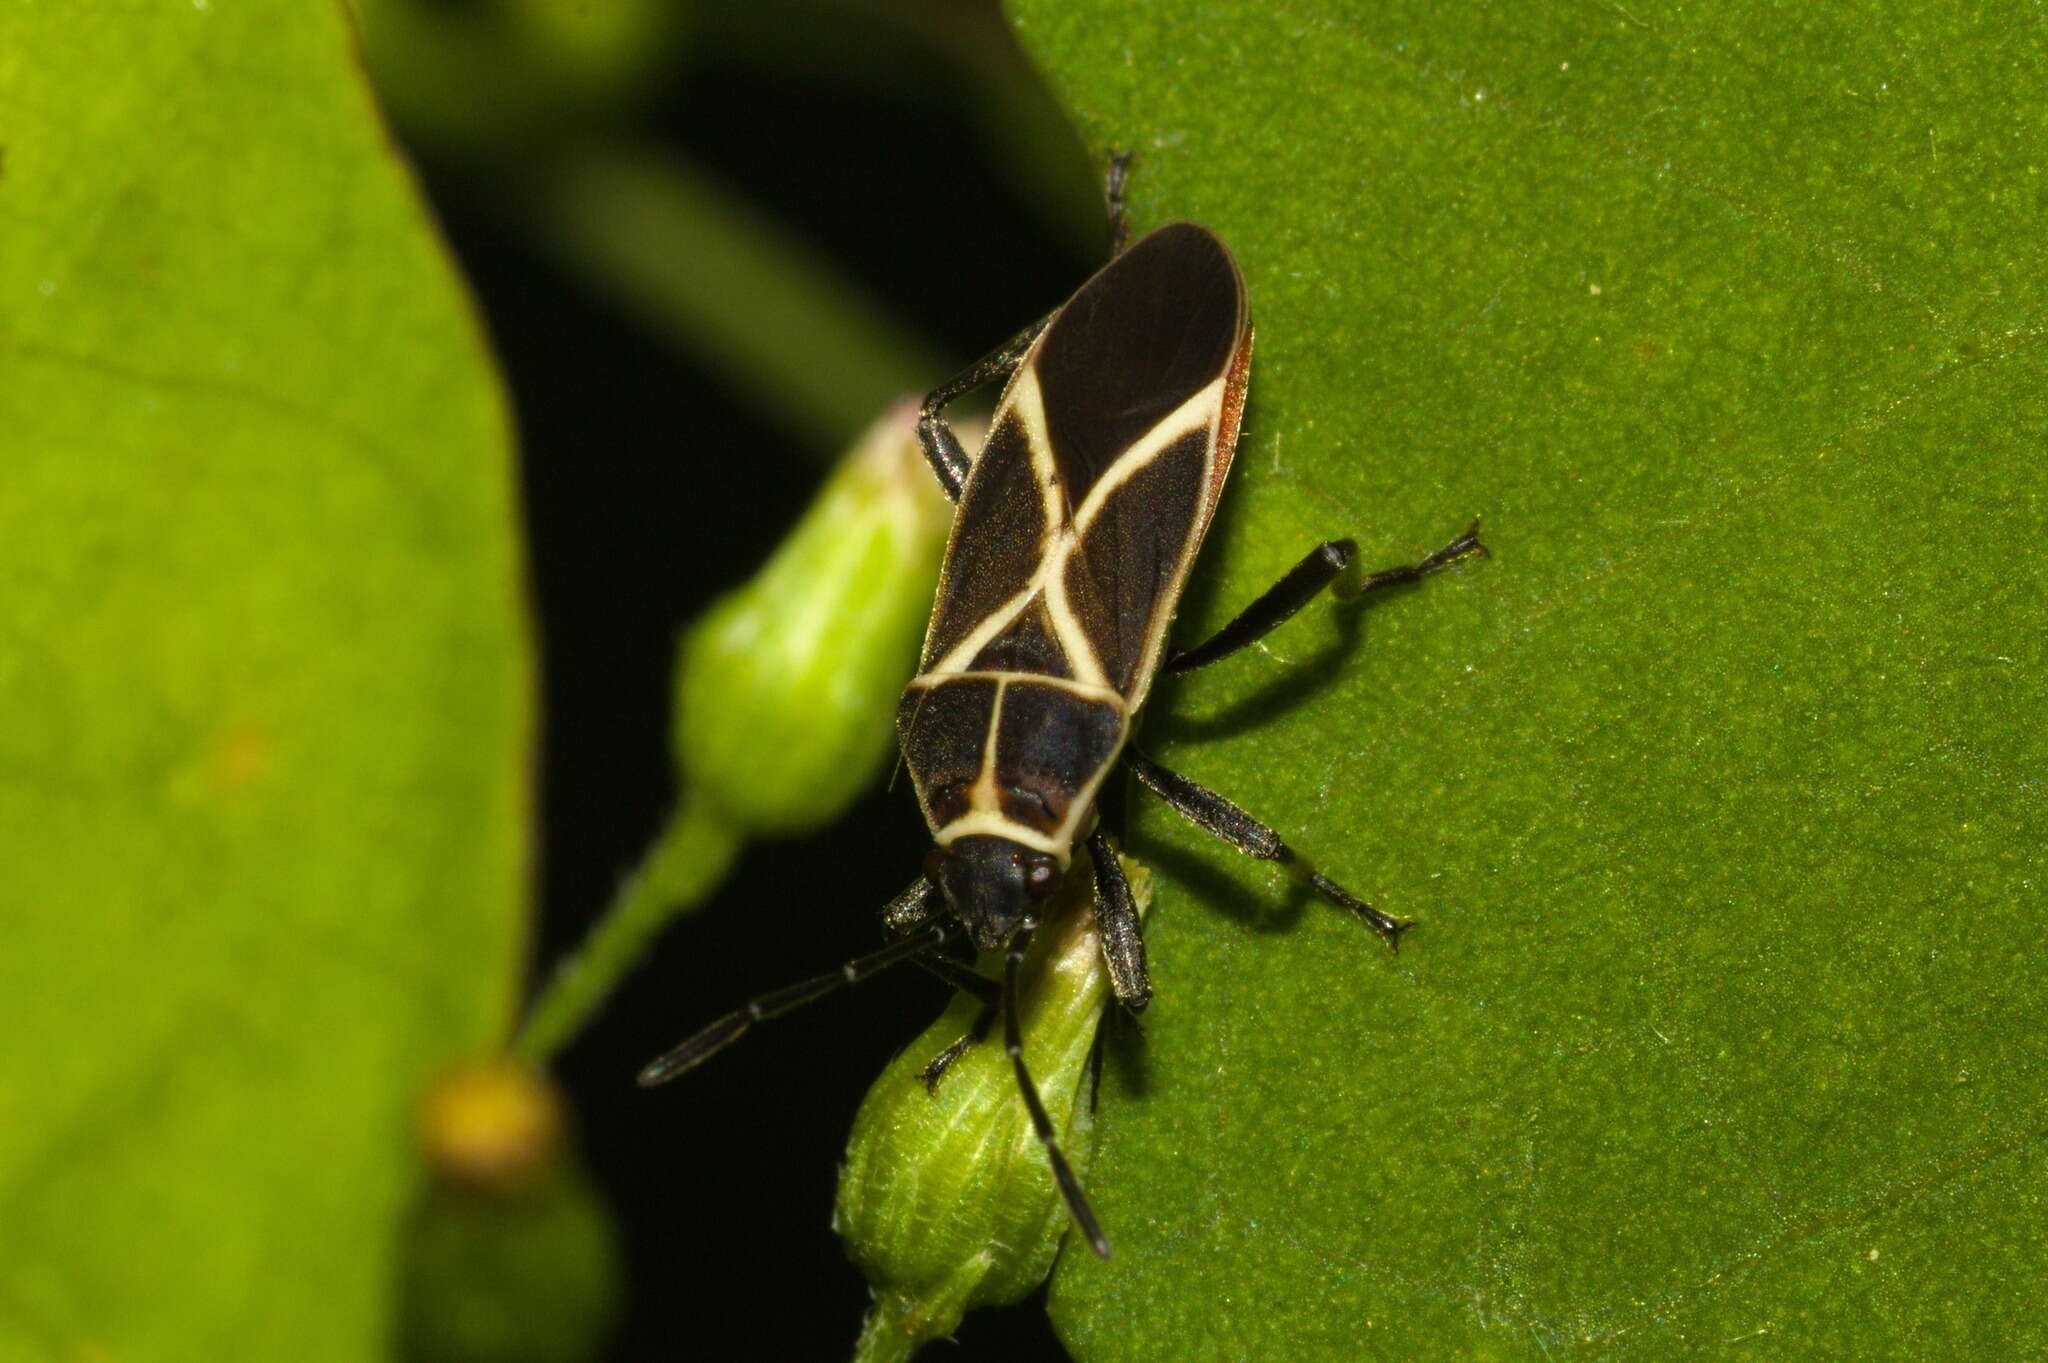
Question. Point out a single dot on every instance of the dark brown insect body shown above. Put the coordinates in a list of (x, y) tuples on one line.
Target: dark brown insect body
[(1077, 524)]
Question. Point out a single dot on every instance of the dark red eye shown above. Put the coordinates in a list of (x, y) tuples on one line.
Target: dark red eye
[(933, 860), (1039, 880)]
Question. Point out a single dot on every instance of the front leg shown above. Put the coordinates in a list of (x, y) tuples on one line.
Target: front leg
[(918, 907), (942, 449), (976, 985)]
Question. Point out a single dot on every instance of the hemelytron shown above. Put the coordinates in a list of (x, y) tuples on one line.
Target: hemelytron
[(1075, 528)]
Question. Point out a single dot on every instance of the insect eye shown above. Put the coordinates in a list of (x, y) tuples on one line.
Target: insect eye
[(933, 860), (1038, 881)]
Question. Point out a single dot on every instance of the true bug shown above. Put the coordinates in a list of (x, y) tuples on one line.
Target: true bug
[(1074, 531)]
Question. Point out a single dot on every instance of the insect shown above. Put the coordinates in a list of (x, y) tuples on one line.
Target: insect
[(1074, 531)]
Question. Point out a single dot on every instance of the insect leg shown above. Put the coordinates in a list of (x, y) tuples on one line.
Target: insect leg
[(1095, 1054), (1214, 814), (1113, 191), (976, 1033), (1324, 566), (1013, 1043), (1463, 547), (730, 1028), (917, 907), (967, 981), (1273, 607), (1116, 921), (942, 449)]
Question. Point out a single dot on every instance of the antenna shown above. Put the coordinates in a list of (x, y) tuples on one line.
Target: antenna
[(1013, 1043), (730, 1028)]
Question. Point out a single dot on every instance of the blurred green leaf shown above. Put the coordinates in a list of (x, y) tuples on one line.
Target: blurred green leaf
[(263, 780), (501, 76), (1717, 792)]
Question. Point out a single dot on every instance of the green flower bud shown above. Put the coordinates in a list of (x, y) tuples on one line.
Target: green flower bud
[(786, 686), (947, 1200)]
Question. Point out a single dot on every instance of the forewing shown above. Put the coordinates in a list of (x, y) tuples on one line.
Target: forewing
[(1151, 330), (1126, 573), (1142, 381), (1000, 529), (1118, 426)]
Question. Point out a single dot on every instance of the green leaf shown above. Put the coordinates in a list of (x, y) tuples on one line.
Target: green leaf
[(1717, 791), (263, 777)]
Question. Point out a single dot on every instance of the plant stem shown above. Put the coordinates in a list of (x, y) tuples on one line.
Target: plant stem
[(883, 1338), (741, 292), (682, 867)]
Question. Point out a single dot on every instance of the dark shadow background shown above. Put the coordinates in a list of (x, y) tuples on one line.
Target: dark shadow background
[(649, 489)]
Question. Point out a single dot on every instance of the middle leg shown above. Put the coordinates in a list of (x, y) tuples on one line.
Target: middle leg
[(1116, 921), (1324, 567)]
